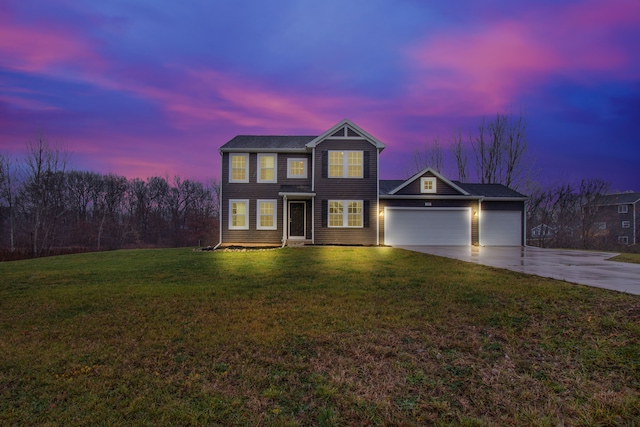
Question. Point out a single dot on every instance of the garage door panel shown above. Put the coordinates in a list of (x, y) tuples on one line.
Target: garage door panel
[(500, 228), (427, 226)]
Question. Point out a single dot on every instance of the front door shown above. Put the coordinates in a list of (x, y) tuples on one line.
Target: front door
[(296, 219)]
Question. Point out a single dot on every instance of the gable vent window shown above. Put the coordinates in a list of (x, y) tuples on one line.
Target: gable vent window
[(427, 185)]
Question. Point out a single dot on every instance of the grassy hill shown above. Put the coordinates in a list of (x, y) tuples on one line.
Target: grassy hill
[(309, 336)]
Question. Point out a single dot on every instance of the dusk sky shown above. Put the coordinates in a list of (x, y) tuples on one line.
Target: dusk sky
[(154, 87)]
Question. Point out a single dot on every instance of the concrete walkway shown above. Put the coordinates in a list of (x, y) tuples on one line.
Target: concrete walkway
[(582, 267)]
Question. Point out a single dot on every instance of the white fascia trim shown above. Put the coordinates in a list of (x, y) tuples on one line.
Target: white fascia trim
[(293, 194), (265, 150), (430, 197), (434, 173)]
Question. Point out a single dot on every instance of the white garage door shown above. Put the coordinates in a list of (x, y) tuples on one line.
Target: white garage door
[(427, 226), (500, 228)]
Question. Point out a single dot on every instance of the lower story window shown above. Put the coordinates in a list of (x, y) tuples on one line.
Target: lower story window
[(238, 214), (266, 218), (624, 240), (345, 213)]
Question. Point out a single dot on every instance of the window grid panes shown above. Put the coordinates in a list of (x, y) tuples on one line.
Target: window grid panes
[(267, 168), (336, 164), (336, 214), (238, 167), (355, 164), (626, 224), (296, 168), (355, 214), (238, 214), (623, 208), (266, 214)]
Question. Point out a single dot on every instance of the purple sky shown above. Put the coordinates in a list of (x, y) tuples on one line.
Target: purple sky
[(155, 87)]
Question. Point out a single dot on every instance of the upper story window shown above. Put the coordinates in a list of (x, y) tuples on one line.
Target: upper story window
[(238, 168), (296, 168), (427, 185), (267, 167), (623, 208), (345, 164)]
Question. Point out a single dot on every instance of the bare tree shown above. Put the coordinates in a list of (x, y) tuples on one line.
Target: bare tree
[(460, 156), (589, 191), (42, 194), (430, 156)]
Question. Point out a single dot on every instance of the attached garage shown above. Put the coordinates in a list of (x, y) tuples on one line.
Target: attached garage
[(500, 228), (427, 226)]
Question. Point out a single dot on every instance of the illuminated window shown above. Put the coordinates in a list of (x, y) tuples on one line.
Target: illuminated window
[(238, 168), (238, 214), (267, 167), (427, 185), (347, 164), (345, 213), (296, 168), (266, 218)]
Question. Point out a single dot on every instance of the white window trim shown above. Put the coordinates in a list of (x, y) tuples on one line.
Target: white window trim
[(231, 202), (246, 170), (433, 190), (275, 214), (345, 214), (626, 224), (304, 174), (622, 209), (345, 164), (275, 168)]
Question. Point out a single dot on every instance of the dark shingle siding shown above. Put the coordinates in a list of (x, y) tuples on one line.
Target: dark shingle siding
[(488, 190), (268, 142)]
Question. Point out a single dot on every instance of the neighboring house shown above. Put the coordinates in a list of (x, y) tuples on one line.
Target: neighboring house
[(325, 189), (616, 218)]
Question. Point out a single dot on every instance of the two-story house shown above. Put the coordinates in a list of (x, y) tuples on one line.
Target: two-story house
[(325, 189), (617, 218)]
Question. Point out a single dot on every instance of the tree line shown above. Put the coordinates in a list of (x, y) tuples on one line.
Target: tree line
[(558, 215), (47, 208)]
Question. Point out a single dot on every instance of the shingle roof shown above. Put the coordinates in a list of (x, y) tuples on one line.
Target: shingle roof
[(489, 190), (272, 142), (617, 199), (386, 185)]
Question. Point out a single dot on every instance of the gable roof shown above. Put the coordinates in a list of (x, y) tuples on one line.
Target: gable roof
[(490, 190), (434, 173), (348, 125), (386, 185), (268, 143), (617, 199)]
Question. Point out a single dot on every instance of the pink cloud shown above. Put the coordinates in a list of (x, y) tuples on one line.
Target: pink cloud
[(43, 48), (484, 70)]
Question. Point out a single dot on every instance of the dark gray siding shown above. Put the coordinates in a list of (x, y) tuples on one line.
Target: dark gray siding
[(420, 203), (364, 189), (254, 191), (441, 187)]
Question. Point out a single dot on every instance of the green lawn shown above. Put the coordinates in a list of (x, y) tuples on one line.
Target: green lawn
[(627, 257), (310, 336)]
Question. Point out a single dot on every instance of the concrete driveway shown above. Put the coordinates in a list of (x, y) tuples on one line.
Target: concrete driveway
[(582, 267)]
